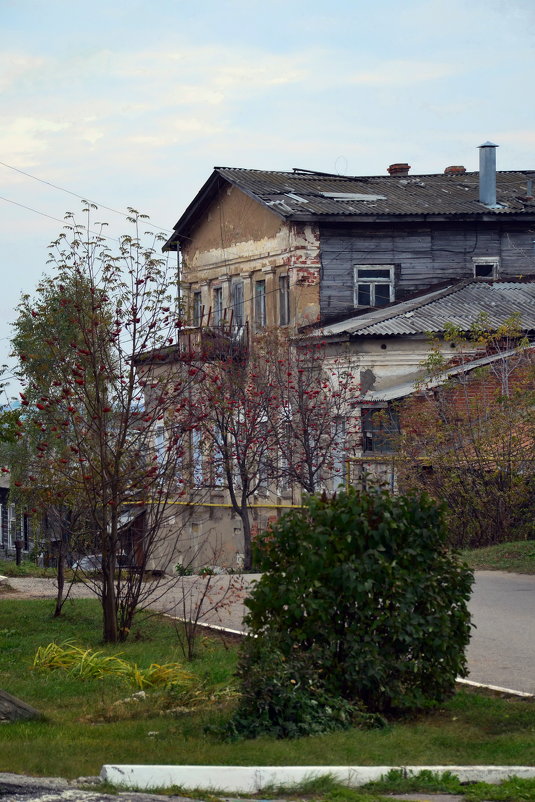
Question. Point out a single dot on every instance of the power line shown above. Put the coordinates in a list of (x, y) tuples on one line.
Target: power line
[(75, 194), (57, 219)]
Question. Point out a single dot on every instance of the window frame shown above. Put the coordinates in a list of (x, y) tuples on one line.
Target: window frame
[(373, 282), (378, 436), (284, 300), (218, 306), (260, 318), (238, 303), (197, 307)]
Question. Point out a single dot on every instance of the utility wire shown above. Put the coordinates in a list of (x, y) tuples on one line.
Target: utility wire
[(75, 194)]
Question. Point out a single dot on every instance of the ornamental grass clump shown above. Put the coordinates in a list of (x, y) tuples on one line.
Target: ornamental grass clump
[(361, 612), (91, 664)]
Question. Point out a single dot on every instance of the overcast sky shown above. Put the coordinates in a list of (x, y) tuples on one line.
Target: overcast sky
[(133, 103)]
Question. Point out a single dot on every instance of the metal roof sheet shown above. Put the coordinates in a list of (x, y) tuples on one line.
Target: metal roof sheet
[(317, 195), (460, 304)]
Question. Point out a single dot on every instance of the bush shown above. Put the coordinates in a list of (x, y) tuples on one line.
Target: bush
[(285, 697), (361, 599)]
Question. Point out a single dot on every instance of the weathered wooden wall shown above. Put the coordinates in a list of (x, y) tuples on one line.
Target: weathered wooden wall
[(424, 255)]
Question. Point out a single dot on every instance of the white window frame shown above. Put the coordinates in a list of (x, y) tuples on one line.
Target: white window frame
[(373, 282), (11, 525), (494, 261)]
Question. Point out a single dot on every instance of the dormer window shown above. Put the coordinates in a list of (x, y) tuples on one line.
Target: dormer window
[(373, 285), (486, 266)]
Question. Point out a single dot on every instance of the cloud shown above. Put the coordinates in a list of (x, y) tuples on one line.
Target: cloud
[(403, 73), (15, 66)]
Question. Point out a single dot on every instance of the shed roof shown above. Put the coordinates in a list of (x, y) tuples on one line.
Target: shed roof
[(308, 196), (459, 304)]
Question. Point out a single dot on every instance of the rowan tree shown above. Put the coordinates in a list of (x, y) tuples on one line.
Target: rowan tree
[(95, 408), (233, 428), (312, 412)]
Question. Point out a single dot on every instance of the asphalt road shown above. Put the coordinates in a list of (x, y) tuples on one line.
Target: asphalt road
[(502, 649)]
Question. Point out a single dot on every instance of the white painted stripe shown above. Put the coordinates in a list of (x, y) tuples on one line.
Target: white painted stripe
[(251, 779)]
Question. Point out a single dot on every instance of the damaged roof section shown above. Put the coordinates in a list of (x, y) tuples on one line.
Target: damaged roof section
[(460, 304)]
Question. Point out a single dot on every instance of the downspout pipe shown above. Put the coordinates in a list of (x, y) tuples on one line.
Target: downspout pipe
[(487, 174)]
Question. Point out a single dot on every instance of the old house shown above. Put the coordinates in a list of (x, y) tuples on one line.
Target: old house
[(367, 264), (303, 248)]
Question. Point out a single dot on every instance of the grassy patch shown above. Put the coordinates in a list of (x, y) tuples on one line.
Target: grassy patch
[(26, 568), (84, 727), (517, 557)]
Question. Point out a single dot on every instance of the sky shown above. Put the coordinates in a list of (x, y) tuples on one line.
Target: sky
[(131, 104)]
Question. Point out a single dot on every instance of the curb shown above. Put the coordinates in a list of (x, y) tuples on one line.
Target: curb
[(252, 779), (497, 689)]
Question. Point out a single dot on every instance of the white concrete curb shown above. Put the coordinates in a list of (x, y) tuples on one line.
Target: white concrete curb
[(251, 779), (2, 579), (495, 688)]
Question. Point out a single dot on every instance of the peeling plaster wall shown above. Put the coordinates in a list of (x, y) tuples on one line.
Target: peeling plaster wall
[(240, 238)]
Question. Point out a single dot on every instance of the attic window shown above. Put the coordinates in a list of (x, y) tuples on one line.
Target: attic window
[(486, 267), (373, 285), (352, 196)]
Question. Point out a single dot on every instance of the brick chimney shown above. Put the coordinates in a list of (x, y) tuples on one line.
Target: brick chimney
[(455, 169), (399, 169)]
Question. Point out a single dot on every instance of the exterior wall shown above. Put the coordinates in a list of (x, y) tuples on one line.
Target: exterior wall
[(424, 254), (239, 238)]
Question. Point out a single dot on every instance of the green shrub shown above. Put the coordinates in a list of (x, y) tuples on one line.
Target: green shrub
[(361, 599), (285, 697)]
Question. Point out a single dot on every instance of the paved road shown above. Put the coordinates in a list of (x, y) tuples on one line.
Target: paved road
[(502, 649), (501, 652)]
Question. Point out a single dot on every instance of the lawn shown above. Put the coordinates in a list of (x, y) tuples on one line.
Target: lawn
[(518, 557), (84, 729)]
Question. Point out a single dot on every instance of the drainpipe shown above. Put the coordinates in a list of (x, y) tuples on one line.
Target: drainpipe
[(487, 174)]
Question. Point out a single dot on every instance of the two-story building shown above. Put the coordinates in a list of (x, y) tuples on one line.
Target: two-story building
[(368, 264)]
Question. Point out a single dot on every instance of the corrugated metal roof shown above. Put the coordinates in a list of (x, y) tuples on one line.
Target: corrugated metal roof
[(302, 193), (460, 304)]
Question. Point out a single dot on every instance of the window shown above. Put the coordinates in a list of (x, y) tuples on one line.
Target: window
[(339, 452), (260, 304), (380, 429), (486, 266), (284, 300), (198, 457), (373, 285), (197, 310), (159, 444), (237, 303), (218, 306)]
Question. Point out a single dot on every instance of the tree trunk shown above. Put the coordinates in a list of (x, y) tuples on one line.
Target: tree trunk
[(247, 550), (109, 606), (60, 576)]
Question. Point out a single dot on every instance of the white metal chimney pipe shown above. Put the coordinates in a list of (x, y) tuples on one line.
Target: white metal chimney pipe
[(487, 173)]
